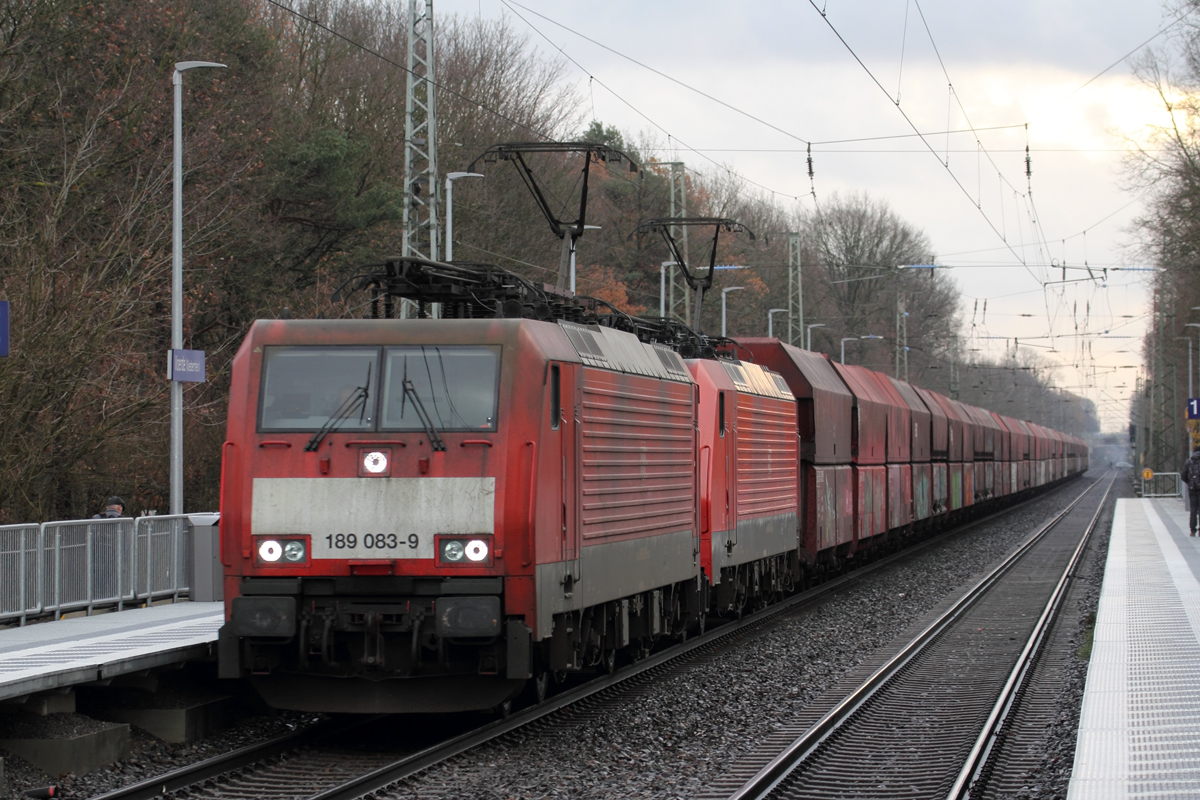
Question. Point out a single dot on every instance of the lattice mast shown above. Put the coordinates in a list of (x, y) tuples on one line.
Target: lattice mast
[(680, 301), (420, 136), (795, 292), (1164, 432)]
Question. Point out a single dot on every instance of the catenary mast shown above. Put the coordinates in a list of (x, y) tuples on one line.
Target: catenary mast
[(420, 137)]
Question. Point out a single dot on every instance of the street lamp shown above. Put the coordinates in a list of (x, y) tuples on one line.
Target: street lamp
[(770, 321), (662, 287), (724, 294), (851, 339), (847, 339), (808, 329), (1191, 325), (177, 283), (450, 179)]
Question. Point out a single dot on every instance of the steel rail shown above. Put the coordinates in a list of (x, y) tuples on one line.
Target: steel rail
[(183, 777), (981, 751), (795, 754), (415, 762)]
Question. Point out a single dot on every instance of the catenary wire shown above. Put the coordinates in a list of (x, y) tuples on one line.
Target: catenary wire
[(641, 113), (912, 125)]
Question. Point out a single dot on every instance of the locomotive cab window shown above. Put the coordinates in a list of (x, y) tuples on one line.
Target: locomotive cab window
[(455, 387), (304, 387)]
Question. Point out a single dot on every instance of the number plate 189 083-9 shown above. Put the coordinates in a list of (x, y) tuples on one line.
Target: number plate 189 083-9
[(372, 545)]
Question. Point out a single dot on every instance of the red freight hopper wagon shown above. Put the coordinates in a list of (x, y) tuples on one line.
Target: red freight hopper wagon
[(899, 453), (921, 446), (824, 408), (421, 515), (868, 450), (941, 434), (986, 441), (749, 479), (1056, 454), (1003, 456), (969, 434), (1024, 452), (959, 441), (1039, 448)]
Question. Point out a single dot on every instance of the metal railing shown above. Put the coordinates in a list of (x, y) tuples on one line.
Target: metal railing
[(1163, 484), (56, 567)]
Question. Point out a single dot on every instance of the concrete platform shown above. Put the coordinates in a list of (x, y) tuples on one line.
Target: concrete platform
[(67, 652), (1139, 730), (188, 723), (79, 754)]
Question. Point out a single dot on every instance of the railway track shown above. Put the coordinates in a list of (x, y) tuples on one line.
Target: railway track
[(318, 764), (926, 722)]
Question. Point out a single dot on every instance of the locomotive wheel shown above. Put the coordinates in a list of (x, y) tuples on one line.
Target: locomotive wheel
[(535, 691), (609, 661)]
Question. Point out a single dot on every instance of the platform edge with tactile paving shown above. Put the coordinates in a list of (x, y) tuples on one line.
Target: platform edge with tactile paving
[(1139, 727), (68, 652)]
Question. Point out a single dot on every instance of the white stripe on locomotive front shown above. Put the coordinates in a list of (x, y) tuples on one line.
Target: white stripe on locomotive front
[(324, 507)]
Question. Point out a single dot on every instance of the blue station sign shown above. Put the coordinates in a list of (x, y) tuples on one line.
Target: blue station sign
[(1193, 408), (186, 366), (3, 327)]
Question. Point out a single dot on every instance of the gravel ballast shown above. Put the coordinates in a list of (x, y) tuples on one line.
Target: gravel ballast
[(148, 755), (675, 737)]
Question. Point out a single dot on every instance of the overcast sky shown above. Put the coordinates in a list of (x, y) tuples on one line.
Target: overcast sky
[(1011, 63)]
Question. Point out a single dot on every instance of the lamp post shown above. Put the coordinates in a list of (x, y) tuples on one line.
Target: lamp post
[(1192, 325), (662, 287), (177, 281), (1189, 341), (870, 336), (851, 339), (847, 339), (724, 294), (808, 330), (770, 321), (450, 179)]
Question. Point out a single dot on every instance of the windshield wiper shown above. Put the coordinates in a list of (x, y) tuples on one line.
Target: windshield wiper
[(434, 440), (342, 413)]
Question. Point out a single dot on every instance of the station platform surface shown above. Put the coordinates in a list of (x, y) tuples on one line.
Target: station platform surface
[(1139, 729), (68, 652)]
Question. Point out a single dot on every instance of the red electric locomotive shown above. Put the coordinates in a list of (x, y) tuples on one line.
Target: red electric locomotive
[(411, 505), (437, 514)]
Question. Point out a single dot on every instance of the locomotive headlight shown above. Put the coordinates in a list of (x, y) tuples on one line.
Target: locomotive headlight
[(270, 550), (452, 550), (375, 462), (477, 550), (294, 551)]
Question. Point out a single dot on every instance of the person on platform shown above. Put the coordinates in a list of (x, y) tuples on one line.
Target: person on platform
[(1191, 479), (114, 507)]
